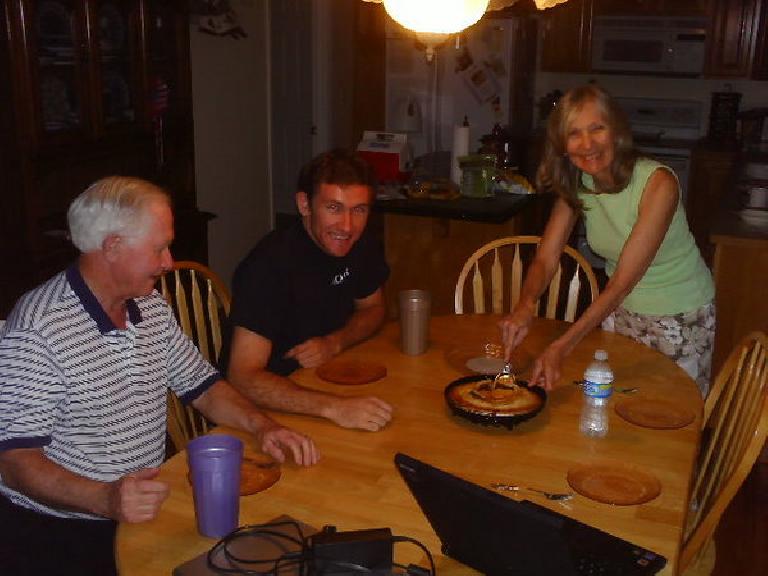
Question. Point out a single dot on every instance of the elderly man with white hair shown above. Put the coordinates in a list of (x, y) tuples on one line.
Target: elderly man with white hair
[(85, 362)]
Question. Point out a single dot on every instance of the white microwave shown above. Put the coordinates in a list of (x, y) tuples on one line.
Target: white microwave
[(649, 45)]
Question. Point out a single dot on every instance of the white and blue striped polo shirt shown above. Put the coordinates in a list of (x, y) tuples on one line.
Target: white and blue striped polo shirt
[(91, 395)]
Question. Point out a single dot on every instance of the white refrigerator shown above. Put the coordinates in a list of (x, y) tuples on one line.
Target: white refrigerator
[(469, 78)]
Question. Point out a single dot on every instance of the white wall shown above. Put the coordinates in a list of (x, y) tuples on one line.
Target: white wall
[(230, 92)]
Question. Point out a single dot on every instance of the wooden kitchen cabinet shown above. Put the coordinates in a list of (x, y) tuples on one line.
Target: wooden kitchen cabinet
[(733, 37), (741, 275), (712, 177), (737, 42), (566, 37), (90, 88), (760, 64), (652, 7)]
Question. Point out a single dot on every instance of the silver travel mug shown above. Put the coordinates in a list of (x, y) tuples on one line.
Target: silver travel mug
[(414, 321)]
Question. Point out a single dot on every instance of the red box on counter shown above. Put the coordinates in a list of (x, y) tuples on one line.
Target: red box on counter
[(389, 154)]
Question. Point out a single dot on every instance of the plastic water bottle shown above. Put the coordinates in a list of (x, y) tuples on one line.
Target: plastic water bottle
[(598, 386)]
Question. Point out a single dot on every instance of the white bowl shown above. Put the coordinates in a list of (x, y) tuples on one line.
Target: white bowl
[(755, 216)]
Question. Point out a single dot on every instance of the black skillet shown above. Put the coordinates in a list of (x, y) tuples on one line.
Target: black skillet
[(488, 418)]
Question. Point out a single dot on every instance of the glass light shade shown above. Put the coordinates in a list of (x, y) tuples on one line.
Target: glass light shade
[(544, 4), (436, 16)]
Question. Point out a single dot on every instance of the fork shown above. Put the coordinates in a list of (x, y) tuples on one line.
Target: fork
[(557, 496), (506, 371), (630, 390)]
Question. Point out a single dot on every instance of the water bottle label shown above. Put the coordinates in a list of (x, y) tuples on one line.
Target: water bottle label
[(598, 389)]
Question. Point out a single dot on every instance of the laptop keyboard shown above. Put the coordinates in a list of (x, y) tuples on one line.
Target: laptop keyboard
[(594, 566), (641, 562)]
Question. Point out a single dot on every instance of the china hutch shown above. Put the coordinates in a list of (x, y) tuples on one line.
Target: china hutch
[(89, 88)]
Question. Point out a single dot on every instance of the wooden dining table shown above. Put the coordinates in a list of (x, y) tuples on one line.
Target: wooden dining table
[(355, 485)]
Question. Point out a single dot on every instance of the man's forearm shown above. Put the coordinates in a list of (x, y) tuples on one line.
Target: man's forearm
[(270, 390), (230, 406), (362, 324), (32, 473)]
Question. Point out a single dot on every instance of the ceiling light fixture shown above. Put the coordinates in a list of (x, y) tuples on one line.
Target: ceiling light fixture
[(436, 16), (434, 20), (500, 4)]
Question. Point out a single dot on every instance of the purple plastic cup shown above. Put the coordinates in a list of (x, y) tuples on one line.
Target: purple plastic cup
[(214, 462)]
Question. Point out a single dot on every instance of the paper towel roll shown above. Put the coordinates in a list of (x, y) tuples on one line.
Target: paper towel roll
[(460, 148)]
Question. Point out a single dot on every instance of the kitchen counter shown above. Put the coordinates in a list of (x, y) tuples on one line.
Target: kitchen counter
[(428, 241), (496, 209), (741, 274), (729, 227)]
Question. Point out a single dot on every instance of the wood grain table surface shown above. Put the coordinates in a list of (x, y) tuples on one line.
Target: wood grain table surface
[(356, 486)]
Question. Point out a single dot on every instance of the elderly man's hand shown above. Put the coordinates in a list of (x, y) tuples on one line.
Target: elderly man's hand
[(137, 497), (367, 413), (276, 439), (315, 351)]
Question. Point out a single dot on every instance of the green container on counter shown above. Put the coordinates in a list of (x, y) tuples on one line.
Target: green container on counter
[(477, 173)]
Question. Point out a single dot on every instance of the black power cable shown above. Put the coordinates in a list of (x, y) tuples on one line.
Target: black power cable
[(417, 570), (223, 560), (266, 531)]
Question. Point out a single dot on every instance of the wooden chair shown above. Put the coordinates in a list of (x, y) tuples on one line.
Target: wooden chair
[(734, 431), (505, 258), (200, 301)]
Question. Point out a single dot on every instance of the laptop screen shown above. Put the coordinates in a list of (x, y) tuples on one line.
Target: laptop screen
[(497, 535)]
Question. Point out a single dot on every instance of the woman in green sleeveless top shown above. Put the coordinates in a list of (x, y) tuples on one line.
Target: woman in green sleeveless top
[(660, 291)]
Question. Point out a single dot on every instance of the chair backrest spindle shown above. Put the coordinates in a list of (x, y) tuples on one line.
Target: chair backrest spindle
[(477, 291), (734, 431), (561, 301), (199, 300), (497, 284)]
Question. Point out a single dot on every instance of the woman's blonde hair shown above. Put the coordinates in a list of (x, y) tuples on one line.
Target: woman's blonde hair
[(112, 205), (556, 171)]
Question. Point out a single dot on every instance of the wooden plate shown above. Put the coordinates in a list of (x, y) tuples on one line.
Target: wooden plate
[(485, 365), (614, 484), (257, 472), (351, 372), (651, 413), (486, 359)]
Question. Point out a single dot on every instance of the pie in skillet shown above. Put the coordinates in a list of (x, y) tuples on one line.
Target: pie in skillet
[(506, 398)]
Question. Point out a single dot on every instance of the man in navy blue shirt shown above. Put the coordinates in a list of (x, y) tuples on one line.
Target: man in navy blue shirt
[(306, 293)]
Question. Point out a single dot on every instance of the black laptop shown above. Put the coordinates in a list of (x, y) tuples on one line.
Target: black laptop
[(500, 536)]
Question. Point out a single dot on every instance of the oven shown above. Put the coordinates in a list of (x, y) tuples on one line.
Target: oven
[(677, 158), (664, 130)]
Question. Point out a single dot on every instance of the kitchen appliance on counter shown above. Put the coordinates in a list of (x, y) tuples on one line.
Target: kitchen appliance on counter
[(752, 185), (752, 128), (650, 45), (388, 153), (723, 113), (477, 174)]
